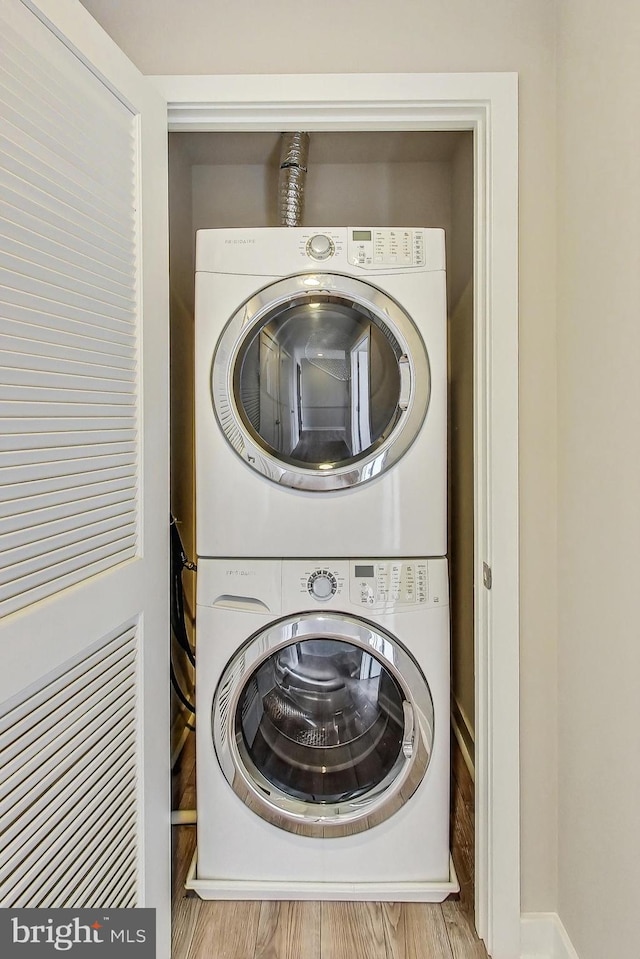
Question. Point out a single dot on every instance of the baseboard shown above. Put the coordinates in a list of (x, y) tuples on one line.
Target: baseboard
[(542, 936)]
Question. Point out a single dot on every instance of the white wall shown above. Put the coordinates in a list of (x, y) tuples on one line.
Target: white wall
[(214, 36), (599, 474)]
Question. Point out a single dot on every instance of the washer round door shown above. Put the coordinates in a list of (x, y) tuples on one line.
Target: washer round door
[(320, 381), (323, 724)]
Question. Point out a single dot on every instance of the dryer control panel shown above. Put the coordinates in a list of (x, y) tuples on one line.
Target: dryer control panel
[(372, 249), (353, 250)]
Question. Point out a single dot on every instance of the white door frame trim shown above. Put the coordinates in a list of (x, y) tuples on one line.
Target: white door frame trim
[(487, 104)]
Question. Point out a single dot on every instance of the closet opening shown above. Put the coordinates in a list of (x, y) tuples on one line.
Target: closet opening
[(382, 179)]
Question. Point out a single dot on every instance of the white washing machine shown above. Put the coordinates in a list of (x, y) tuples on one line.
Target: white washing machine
[(323, 730), (321, 392)]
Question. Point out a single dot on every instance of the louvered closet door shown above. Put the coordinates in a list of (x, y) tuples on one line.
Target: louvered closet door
[(84, 751)]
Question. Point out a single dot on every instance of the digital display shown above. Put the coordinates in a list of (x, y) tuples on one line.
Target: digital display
[(362, 234), (364, 572)]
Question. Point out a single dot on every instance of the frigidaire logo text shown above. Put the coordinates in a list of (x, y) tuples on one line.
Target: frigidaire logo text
[(64, 936), (240, 240)]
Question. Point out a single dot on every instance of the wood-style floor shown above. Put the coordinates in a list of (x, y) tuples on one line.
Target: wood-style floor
[(325, 930)]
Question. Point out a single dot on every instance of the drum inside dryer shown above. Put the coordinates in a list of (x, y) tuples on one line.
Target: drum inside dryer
[(322, 720), (318, 382)]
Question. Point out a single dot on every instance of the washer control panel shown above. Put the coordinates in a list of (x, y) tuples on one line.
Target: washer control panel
[(377, 585), (274, 586), (390, 582), (322, 584)]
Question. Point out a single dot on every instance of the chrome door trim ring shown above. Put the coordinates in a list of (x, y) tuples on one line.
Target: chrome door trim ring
[(382, 454), (275, 806)]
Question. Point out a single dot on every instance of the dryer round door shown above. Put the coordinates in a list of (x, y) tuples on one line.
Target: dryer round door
[(320, 381), (323, 724)]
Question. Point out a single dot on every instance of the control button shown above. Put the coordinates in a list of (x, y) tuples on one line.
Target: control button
[(320, 247), (322, 584)]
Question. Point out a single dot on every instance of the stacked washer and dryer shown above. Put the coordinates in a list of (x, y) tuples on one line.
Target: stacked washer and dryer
[(322, 598)]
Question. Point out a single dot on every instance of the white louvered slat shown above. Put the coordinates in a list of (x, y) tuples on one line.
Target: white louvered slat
[(52, 403), (20, 162), (24, 320), (25, 115), (66, 448), (22, 227), (51, 93), (70, 791), (62, 476), (31, 246), (68, 756), (45, 358), (44, 881), (75, 507), (76, 226), (25, 788), (97, 885), (14, 513), (128, 900), (63, 815), (102, 556), (72, 565), (20, 372), (34, 442), (60, 718), (11, 425), (38, 477), (24, 707), (58, 280), (123, 899), (95, 857), (32, 871), (66, 313), (71, 844), (29, 63), (77, 891), (26, 545), (36, 135), (69, 336), (64, 325), (27, 92)]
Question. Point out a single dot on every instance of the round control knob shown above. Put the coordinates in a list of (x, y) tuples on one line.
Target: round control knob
[(322, 584), (320, 247)]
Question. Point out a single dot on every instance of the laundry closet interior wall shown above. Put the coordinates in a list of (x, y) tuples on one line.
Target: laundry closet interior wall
[(355, 179)]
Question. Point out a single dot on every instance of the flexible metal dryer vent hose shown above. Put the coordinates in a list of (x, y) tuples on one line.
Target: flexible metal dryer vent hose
[(294, 155)]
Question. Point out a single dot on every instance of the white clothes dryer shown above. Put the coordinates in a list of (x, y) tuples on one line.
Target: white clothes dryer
[(323, 730), (321, 392)]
